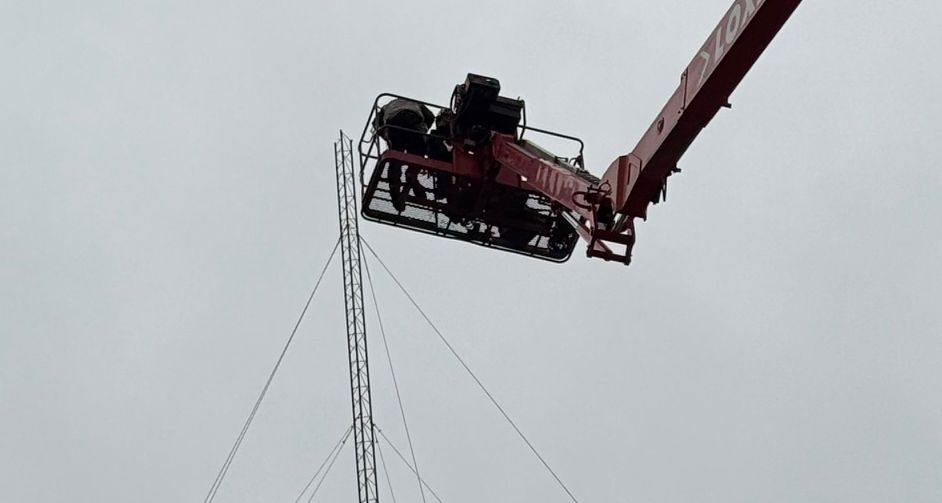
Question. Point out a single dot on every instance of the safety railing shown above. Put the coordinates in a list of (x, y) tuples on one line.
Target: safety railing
[(370, 149)]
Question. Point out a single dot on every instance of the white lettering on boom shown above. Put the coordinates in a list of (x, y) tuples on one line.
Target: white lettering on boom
[(725, 35)]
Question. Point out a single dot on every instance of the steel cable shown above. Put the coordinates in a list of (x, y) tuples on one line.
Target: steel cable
[(217, 483), (406, 462), (470, 372), (395, 381), (329, 466), (338, 445), (382, 460)]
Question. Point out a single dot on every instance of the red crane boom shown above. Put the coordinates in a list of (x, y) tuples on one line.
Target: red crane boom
[(705, 86)]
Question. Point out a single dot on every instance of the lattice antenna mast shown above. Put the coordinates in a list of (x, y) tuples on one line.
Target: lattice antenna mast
[(351, 254)]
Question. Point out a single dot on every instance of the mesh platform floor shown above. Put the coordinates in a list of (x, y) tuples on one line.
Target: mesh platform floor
[(495, 216)]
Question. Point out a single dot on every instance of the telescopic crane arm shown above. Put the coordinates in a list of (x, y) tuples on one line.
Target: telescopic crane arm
[(748, 27)]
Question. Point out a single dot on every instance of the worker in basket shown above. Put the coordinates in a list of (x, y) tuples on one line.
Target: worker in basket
[(404, 125)]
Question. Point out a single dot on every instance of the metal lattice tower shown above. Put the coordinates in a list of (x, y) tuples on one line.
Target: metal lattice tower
[(351, 254)]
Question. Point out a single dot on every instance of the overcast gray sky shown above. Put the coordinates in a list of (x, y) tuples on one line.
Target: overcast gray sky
[(167, 198)]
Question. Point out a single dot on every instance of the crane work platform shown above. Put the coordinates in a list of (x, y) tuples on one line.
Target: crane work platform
[(470, 171), (441, 180)]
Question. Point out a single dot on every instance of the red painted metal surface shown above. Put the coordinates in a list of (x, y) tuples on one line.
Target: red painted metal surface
[(733, 47), (556, 182)]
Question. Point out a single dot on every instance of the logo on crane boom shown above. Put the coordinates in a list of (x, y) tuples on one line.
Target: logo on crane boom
[(555, 181), (726, 33)]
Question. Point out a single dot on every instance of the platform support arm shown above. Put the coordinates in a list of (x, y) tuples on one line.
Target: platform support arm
[(559, 184), (584, 197)]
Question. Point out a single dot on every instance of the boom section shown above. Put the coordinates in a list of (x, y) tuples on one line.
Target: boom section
[(639, 178)]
